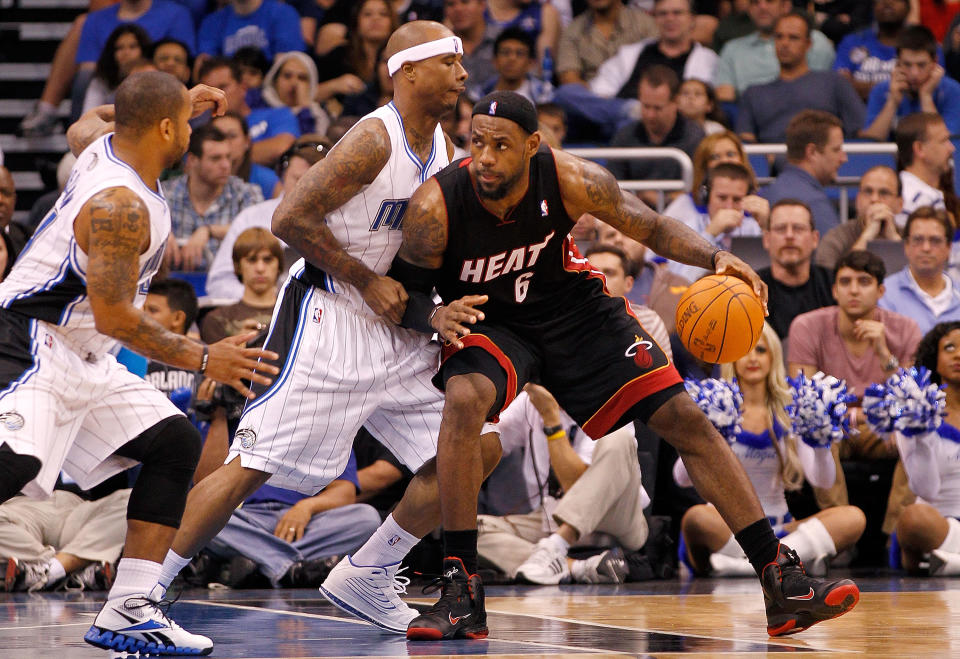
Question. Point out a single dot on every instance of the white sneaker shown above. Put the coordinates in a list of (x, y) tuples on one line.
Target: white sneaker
[(608, 567), (140, 625), (371, 593), (545, 566), (29, 576), (722, 565)]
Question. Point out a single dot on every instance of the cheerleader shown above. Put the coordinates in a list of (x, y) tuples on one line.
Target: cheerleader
[(772, 467)]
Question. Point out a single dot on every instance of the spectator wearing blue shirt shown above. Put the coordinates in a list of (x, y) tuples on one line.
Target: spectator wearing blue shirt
[(272, 130), (917, 84), (271, 26), (922, 290), (234, 127), (161, 19)]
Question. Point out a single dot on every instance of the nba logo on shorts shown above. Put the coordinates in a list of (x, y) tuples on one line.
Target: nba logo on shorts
[(317, 312), (247, 437), (493, 108), (48, 341)]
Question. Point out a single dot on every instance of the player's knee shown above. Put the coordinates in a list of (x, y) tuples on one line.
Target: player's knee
[(469, 396), (16, 471)]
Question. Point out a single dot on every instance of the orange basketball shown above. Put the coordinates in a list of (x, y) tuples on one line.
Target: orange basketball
[(719, 319)]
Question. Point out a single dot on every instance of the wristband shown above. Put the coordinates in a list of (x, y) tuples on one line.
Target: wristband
[(204, 359), (549, 431), (557, 435), (713, 259)]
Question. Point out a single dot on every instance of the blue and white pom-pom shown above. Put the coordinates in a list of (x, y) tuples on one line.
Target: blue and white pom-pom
[(819, 410), (908, 402), (721, 401)]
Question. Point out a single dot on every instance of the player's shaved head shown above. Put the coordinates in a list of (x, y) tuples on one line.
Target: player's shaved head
[(414, 33), (143, 100)]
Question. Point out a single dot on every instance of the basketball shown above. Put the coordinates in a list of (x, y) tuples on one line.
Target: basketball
[(719, 319)]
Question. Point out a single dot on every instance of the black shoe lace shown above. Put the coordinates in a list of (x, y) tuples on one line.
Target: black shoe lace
[(162, 605)]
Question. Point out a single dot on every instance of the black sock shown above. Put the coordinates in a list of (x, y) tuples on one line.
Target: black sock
[(759, 543), (463, 545)]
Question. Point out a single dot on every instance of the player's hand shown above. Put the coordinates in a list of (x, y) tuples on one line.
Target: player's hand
[(728, 264), (387, 297), (759, 208), (92, 124), (450, 320), (872, 331), (546, 404), (231, 362), (205, 97), (293, 524)]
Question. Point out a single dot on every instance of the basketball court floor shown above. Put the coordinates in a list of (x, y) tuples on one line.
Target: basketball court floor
[(896, 617)]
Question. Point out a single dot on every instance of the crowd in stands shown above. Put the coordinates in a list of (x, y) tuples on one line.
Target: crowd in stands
[(855, 297)]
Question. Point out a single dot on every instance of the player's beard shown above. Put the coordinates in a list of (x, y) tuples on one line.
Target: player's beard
[(500, 191)]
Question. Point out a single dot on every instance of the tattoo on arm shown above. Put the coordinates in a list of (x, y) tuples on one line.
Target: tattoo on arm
[(425, 227)]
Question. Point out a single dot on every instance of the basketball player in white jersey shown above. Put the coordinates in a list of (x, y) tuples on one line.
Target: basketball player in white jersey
[(65, 402), (346, 363)]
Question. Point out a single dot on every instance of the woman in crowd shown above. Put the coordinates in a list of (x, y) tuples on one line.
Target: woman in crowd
[(292, 82), (128, 45), (698, 102)]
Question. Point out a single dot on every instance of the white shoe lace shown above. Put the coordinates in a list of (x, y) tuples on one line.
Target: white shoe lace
[(36, 575), (400, 583)]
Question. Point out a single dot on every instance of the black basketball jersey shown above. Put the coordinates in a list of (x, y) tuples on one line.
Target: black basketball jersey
[(526, 263)]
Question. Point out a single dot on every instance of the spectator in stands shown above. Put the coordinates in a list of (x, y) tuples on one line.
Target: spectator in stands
[(205, 200), (814, 154), (860, 343), (382, 477), (596, 35), (466, 19), (878, 204), (838, 18), (172, 56), (252, 65), (539, 20), (173, 304), (272, 130), (222, 281), (376, 93), (723, 216), (765, 110), (751, 59), (234, 128), (660, 124), (269, 25), (323, 23), (712, 150), (14, 232), (951, 49), (925, 160), (698, 102), (513, 59), (796, 285), (554, 118), (922, 290), (257, 256), (126, 48), (868, 57), (527, 533), (349, 68), (292, 82), (917, 84)]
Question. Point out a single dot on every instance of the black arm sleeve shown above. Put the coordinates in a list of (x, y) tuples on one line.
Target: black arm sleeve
[(419, 284)]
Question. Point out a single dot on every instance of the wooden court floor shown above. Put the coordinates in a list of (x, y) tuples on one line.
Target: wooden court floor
[(896, 617)]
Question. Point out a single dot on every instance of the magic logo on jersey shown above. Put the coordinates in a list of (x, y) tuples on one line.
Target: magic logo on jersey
[(390, 215)]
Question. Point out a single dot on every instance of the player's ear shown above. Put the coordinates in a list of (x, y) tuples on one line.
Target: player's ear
[(167, 129), (533, 143)]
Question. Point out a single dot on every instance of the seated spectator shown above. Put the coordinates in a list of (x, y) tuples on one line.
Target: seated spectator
[(349, 68), (750, 60), (222, 281), (269, 25), (878, 204), (766, 110), (376, 93), (929, 530), (515, 66), (205, 200), (526, 532), (814, 154), (775, 460), (698, 102), (726, 189), (257, 256), (925, 158), (795, 285), (323, 23), (234, 128), (125, 50), (467, 20), (382, 477), (172, 56), (917, 84), (173, 304), (272, 130), (554, 118), (292, 82), (539, 20), (15, 234), (922, 290), (660, 124), (252, 65), (868, 57), (860, 343)]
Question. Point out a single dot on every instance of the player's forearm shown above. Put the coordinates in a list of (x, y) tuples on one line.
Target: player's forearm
[(676, 241), (145, 336)]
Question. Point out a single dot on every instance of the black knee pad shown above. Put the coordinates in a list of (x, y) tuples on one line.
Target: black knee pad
[(16, 471), (169, 452)]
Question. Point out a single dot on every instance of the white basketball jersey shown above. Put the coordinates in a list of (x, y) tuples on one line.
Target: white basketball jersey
[(369, 224), (48, 281)]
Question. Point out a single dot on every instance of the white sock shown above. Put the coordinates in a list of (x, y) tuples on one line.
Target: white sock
[(388, 545), (171, 567), (811, 541), (732, 548), (56, 572), (724, 565), (135, 576), (561, 545), (952, 542)]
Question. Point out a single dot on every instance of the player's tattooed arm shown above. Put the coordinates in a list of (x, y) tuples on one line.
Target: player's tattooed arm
[(425, 227), (300, 218)]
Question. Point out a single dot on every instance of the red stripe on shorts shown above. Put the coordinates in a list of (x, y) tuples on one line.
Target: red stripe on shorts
[(484, 342), (601, 423)]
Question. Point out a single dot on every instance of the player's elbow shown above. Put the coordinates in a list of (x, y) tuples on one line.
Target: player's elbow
[(280, 224)]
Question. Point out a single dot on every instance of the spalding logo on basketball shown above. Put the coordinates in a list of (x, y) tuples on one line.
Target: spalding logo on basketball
[(719, 319)]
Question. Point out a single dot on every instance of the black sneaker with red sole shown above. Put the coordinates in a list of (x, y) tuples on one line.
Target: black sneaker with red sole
[(459, 612), (796, 601)]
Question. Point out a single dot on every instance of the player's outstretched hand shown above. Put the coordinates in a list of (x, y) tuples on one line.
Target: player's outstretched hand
[(387, 297), (728, 264), (231, 362), (450, 320), (205, 97)]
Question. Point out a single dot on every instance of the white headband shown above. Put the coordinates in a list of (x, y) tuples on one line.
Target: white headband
[(444, 46)]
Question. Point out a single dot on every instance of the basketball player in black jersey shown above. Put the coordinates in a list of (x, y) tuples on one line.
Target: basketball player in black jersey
[(491, 231)]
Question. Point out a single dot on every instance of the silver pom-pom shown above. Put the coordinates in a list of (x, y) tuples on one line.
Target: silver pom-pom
[(721, 401), (908, 402), (819, 409)]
